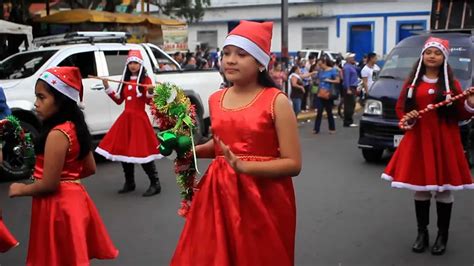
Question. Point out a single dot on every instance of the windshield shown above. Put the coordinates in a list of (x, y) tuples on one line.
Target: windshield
[(401, 60), (23, 65)]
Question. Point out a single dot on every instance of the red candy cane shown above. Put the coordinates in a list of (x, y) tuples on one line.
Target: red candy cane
[(403, 122)]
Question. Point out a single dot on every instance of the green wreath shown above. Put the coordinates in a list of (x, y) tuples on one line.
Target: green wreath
[(175, 117)]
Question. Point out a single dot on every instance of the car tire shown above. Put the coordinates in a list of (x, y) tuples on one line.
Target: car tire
[(372, 155), (198, 133), (16, 171)]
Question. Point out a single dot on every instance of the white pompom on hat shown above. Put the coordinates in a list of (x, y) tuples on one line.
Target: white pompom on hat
[(443, 46), (254, 37)]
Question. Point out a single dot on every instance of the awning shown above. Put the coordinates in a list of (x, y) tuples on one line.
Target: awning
[(8, 27), (76, 16)]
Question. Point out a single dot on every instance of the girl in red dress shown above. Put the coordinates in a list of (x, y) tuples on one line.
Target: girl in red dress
[(66, 228), (244, 211), (132, 139), (430, 157)]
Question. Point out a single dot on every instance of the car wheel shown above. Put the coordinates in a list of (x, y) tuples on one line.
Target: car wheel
[(198, 133), (372, 155)]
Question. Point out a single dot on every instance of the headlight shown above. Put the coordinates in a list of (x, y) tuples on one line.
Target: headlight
[(373, 107)]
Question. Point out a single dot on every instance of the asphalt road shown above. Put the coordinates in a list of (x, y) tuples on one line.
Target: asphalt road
[(347, 215)]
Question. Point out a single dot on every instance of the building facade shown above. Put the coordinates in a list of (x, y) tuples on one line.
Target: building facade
[(339, 25)]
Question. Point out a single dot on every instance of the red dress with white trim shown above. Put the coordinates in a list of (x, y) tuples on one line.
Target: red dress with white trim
[(430, 156), (66, 228), (7, 240), (239, 219), (131, 138)]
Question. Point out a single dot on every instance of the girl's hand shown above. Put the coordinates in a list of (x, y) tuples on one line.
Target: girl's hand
[(409, 119), (230, 157), (106, 83), (16, 190), (150, 88)]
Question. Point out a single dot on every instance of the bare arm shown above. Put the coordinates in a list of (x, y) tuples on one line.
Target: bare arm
[(57, 145), (206, 150), (289, 163), (365, 84), (89, 166), (294, 83)]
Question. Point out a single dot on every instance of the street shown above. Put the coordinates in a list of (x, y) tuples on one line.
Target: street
[(347, 215)]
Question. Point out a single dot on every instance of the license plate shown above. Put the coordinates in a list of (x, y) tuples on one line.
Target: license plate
[(396, 140)]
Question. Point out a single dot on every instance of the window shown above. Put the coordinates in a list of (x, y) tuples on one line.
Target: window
[(207, 39), (84, 61), (116, 61), (315, 38), (164, 63), (23, 65)]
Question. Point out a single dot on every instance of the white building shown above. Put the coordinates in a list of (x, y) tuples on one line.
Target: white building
[(337, 25)]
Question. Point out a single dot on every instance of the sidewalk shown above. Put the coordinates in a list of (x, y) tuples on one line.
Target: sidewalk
[(311, 114)]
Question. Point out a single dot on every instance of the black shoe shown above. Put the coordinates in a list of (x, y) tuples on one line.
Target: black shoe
[(444, 218), (152, 190), (422, 210), (127, 187), (439, 246), (421, 242)]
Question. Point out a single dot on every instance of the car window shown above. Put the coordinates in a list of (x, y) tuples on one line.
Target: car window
[(116, 61), (163, 62), (23, 65), (400, 62), (84, 61)]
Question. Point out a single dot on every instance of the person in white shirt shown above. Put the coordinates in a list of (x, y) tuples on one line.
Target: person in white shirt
[(369, 71)]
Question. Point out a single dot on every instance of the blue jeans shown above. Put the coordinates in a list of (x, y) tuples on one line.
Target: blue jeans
[(297, 105), (325, 105)]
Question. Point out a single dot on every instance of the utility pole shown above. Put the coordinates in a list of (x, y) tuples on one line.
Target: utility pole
[(284, 32), (143, 6)]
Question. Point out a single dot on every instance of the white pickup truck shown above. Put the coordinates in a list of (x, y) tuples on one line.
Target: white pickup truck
[(19, 73)]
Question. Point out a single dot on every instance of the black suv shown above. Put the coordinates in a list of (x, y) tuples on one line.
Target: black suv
[(379, 124)]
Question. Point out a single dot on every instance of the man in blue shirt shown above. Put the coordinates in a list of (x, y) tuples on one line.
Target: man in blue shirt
[(4, 109), (350, 82)]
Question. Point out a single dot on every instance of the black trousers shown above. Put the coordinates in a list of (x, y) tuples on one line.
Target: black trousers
[(349, 106)]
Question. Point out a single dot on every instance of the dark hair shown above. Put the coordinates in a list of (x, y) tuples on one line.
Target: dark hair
[(311, 56), (266, 80), (327, 61), (128, 74), (370, 56), (410, 103), (293, 69), (67, 111)]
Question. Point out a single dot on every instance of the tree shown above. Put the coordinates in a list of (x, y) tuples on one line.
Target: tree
[(191, 10)]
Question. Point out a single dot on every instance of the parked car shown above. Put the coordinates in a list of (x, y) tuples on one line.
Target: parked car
[(379, 124), (19, 73), (320, 53)]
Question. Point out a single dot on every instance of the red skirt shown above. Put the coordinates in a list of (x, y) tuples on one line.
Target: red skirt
[(239, 220), (66, 229), (131, 139), (7, 240)]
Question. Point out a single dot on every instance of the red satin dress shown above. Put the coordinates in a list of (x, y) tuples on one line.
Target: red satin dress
[(66, 228), (131, 138), (238, 219), (430, 156), (7, 240)]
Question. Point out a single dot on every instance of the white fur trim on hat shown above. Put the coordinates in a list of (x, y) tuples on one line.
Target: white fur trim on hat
[(134, 59), (438, 45), (250, 47), (60, 86)]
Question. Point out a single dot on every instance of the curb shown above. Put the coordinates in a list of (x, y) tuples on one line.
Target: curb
[(310, 115)]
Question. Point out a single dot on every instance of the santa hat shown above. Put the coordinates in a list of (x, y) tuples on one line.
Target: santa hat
[(443, 46), (133, 56), (254, 37), (66, 80)]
